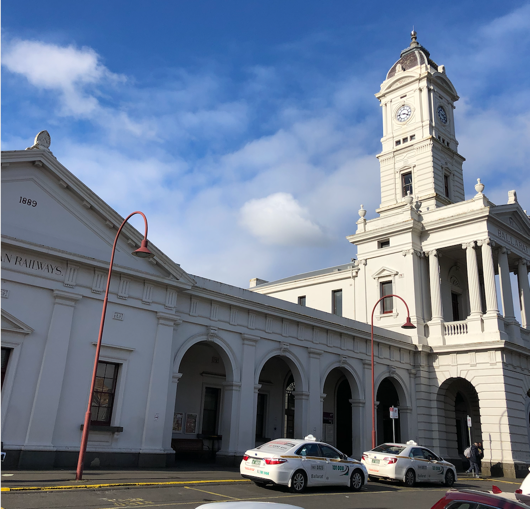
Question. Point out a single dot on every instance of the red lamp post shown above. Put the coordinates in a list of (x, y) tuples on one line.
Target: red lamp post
[(407, 325), (141, 252)]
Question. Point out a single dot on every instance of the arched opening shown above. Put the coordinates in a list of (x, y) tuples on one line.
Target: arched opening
[(457, 400), (278, 400), (202, 403), (387, 396), (341, 411)]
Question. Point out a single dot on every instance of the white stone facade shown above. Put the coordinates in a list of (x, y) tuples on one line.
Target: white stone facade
[(445, 257)]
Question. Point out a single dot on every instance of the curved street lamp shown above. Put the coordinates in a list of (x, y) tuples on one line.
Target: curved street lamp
[(141, 252), (407, 325)]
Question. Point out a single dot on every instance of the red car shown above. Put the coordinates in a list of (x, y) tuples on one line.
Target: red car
[(476, 499)]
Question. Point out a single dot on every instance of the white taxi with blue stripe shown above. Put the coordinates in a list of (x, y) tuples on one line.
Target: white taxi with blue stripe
[(302, 463), (409, 463)]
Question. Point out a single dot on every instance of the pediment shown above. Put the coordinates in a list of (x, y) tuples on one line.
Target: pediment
[(402, 78), (13, 324), (385, 272), (44, 205), (513, 216)]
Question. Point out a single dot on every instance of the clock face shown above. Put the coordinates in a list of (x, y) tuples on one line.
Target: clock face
[(404, 113), (442, 115)]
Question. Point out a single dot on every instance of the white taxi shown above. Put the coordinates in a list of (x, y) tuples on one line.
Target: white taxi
[(409, 463), (302, 463)]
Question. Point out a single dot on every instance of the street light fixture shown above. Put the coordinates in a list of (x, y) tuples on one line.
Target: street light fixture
[(407, 325), (141, 252)]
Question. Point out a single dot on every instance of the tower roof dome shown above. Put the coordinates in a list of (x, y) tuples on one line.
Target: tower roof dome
[(411, 57)]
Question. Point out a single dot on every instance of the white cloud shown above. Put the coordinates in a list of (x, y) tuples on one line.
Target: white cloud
[(279, 219), (66, 69)]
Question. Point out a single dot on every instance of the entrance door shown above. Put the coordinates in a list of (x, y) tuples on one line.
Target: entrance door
[(289, 408)]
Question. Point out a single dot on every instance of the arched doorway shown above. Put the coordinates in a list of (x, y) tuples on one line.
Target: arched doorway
[(456, 400), (203, 402), (387, 396), (341, 407), (278, 412)]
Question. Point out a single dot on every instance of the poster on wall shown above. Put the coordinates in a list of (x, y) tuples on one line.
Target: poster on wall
[(177, 422), (191, 423)]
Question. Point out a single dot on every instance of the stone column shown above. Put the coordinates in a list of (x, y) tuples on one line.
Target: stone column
[(472, 280), (315, 404), (524, 291), (357, 407), (157, 396), (171, 401), (475, 317), (230, 420), (493, 322), (414, 421), (38, 447), (436, 328), (510, 323), (301, 411), (248, 395)]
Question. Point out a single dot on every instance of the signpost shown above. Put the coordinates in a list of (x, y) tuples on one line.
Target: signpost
[(469, 429), (394, 416)]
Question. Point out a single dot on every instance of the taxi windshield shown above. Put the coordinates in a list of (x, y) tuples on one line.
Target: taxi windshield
[(276, 446), (389, 449)]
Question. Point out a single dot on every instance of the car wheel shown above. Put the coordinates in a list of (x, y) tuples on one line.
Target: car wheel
[(356, 480), (410, 478), (298, 482), (449, 478)]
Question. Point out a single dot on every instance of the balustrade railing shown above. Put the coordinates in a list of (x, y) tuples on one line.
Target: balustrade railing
[(455, 328)]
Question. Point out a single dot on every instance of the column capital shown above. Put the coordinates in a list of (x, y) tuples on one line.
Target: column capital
[(432, 252), (504, 250), (168, 319), (322, 397), (314, 353), (257, 387), (487, 242), (357, 402), (249, 339), (66, 298), (367, 364), (467, 245), (232, 386), (175, 377), (301, 395)]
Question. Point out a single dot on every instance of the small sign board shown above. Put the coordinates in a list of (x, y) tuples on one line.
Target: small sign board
[(328, 417), (468, 421), (393, 412)]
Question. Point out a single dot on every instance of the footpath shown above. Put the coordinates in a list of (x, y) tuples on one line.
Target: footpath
[(185, 474), (47, 480)]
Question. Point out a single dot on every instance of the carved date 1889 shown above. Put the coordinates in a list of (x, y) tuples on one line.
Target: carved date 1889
[(27, 201)]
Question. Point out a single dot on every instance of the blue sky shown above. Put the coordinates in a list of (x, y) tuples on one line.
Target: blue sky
[(247, 130)]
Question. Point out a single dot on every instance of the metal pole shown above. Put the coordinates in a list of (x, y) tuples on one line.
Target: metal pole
[(407, 325), (394, 430), (86, 426)]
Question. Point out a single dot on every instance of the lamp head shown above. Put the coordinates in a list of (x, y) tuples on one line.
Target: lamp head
[(408, 324), (143, 251)]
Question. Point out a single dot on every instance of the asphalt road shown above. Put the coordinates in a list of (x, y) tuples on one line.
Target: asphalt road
[(374, 496)]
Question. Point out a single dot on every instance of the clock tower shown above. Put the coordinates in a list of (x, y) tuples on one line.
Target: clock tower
[(420, 155)]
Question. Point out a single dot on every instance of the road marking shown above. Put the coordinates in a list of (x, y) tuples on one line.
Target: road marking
[(94, 486), (210, 493)]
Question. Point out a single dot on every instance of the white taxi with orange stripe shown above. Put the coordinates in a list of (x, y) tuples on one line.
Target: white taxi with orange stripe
[(409, 463), (302, 463)]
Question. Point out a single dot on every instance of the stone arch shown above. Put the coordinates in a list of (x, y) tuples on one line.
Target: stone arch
[(349, 372), (398, 382), (455, 399), (383, 422), (294, 363), (224, 349)]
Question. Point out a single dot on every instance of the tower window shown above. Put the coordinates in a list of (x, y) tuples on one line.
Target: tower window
[(412, 137), (446, 185), (398, 142), (384, 243), (405, 140), (387, 305), (336, 302), (301, 300), (406, 183)]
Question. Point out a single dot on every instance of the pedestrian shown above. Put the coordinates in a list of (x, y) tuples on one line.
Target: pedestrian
[(480, 456), (474, 459)]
